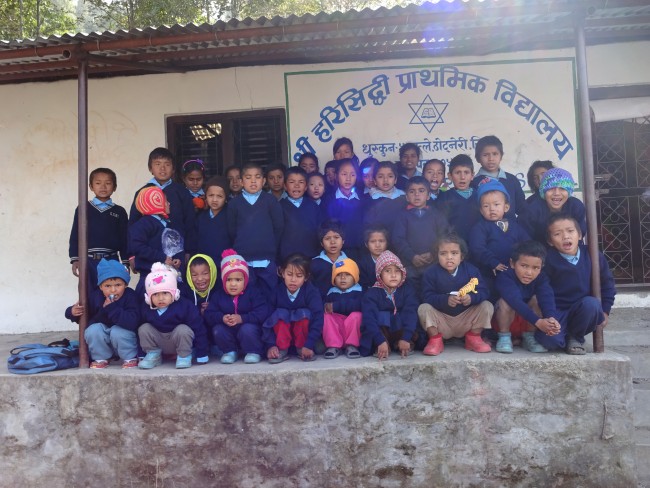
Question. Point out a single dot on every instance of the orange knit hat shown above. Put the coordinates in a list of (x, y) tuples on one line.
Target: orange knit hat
[(151, 201)]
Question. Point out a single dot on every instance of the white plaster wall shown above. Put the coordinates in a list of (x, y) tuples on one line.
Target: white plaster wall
[(38, 148)]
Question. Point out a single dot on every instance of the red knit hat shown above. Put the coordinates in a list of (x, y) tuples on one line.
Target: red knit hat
[(151, 201), (384, 260), (231, 262)]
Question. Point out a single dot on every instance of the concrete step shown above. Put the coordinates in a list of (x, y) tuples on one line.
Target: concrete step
[(642, 411), (632, 337), (639, 358), (642, 454), (629, 319)]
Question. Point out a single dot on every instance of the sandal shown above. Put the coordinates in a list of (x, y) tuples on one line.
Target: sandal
[(129, 363), (99, 364), (284, 355), (351, 352), (332, 353), (575, 347)]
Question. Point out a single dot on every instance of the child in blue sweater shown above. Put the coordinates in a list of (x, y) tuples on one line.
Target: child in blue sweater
[(385, 201), (171, 323), (332, 238), (568, 266), (297, 313), (193, 172), (114, 317), (237, 312), (212, 222), (346, 206), (459, 204), (455, 299), (389, 311), (525, 291), (434, 172), (376, 238)]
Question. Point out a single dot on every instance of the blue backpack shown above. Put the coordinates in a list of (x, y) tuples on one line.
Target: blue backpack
[(37, 358)]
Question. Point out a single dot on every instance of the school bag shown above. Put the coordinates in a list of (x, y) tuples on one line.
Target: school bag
[(37, 358)]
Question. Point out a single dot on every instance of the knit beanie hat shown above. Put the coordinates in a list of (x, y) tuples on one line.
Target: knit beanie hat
[(556, 178), (231, 262), (107, 269), (491, 184), (151, 201), (162, 278), (384, 260), (345, 266)]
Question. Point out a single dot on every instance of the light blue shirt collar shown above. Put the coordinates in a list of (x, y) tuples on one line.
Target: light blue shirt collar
[(498, 175), (161, 220), (294, 296), (465, 193), (161, 311), (395, 192), (212, 214), (334, 289), (572, 259), (102, 205), (339, 194), (195, 194), (322, 255), (251, 197), (296, 201), (154, 181)]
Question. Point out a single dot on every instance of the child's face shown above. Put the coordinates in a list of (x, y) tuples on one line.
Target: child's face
[(309, 165), (343, 281), (490, 158), (316, 187), (556, 198), (194, 180), (253, 180), (385, 179), (102, 186), (347, 177), (409, 159), (294, 277), (114, 287), (564, 236), (527, 268), (332, 243), (330, 174), (461, 177), (215, 197), (417, 195), (449, 256), (391, 276), (235, 181), (235, 283), (493, 206), (275, 179), (343, 152), (162, 299), (200, 274), (538, 174), (295, 185), (435, 175), (368, 180), (376, 244), (162, 169)]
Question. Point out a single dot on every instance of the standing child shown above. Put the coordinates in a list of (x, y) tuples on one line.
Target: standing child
[(237, 313), (114, 317), (525, 291), (376, 238), (332, 239), (434, 173), (308, 162), (235, 182), (342, 326), (297, 317), (212, 223), (171, 323), (409, 158), (344, 149), (455, 299), (193, 177), (107, 226), (367, 168), (386, 200), (275, 180), (331, 168), (389, 311), (568, 266), (488, 153)]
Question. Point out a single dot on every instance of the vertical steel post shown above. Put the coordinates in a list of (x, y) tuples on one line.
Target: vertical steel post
[(589, 181)]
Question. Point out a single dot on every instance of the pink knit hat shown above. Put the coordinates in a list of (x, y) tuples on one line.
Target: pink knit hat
[(162, 278), (231, 262), (384, 260), (151, 201)]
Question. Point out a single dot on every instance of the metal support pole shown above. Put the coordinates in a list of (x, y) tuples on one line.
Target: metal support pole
[(82, 185), (588, 168)]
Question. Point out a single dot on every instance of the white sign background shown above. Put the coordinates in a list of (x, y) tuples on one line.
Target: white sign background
[(529, 104)]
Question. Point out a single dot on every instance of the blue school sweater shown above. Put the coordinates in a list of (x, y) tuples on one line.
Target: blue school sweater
[(107, 231), (376, 303), (489, 246), (182, 311), (212, 234), (181, 212), (124, 312), (367, 274), (535, 218), (462, 213), (517, 295), (321, 272), (300, 228), (145, 243), (307, 305), (416, 230), (572, 283), (515, 191), (350, 213), (255, 230), (345, 303), (251, 305), (437, 282), (384, 211)]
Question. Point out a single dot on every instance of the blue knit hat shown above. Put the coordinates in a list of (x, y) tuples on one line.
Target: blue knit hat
[(556, 178), (107, 269), (491, 184)]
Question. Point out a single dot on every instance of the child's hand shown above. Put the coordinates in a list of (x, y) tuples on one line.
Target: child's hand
[(453, 300), (75, 268), (465, 300), (236, 319), (306, 354), (329, 307), (110, 299), (273, 353), (77, 310), (168, 261), (549, 326), (229, 320), (132, 264), (383, 351), (176, 263), (404, 347), (419, 260), (603, 324), (204, 305), (427, 257), (500, 267)]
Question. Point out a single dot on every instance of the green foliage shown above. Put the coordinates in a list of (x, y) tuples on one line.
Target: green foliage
[(34, 18)]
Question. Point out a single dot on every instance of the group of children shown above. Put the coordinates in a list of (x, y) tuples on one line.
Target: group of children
[(362, 260)]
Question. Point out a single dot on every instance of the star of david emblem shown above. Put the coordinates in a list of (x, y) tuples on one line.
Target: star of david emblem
[(427, 113)]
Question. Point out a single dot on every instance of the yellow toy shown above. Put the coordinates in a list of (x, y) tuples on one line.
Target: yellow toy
[(468, 288)]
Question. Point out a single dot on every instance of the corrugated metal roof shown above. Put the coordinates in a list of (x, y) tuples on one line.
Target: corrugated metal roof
[(446, 28)]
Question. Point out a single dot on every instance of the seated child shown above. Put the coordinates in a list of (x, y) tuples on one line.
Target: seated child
[(275, 180), (308, 162), (434, 173), (237, 312), (455, 299), (193, 176), (212, 223), (555, 191), (235, 182), (200, 277), (332, 238), (534, 177), (568, 266), (389, 311), (407, 168), (301, 217), (113, 317), (386, 200), (346, 206), (297, 317), (171, 323), (341, 329), (459, 204), (376, 238), (525, 291)]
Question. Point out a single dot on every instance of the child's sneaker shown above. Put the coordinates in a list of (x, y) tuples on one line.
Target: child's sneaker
[(229, 357), (130, 363), (99, 364), (284, 355), (434, 346), (151, 360), (474, 342), (504, 344), (530, 343), (183, 362), (252, 358)]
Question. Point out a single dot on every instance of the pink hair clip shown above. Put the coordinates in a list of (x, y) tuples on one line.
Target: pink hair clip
[(197, 161)]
